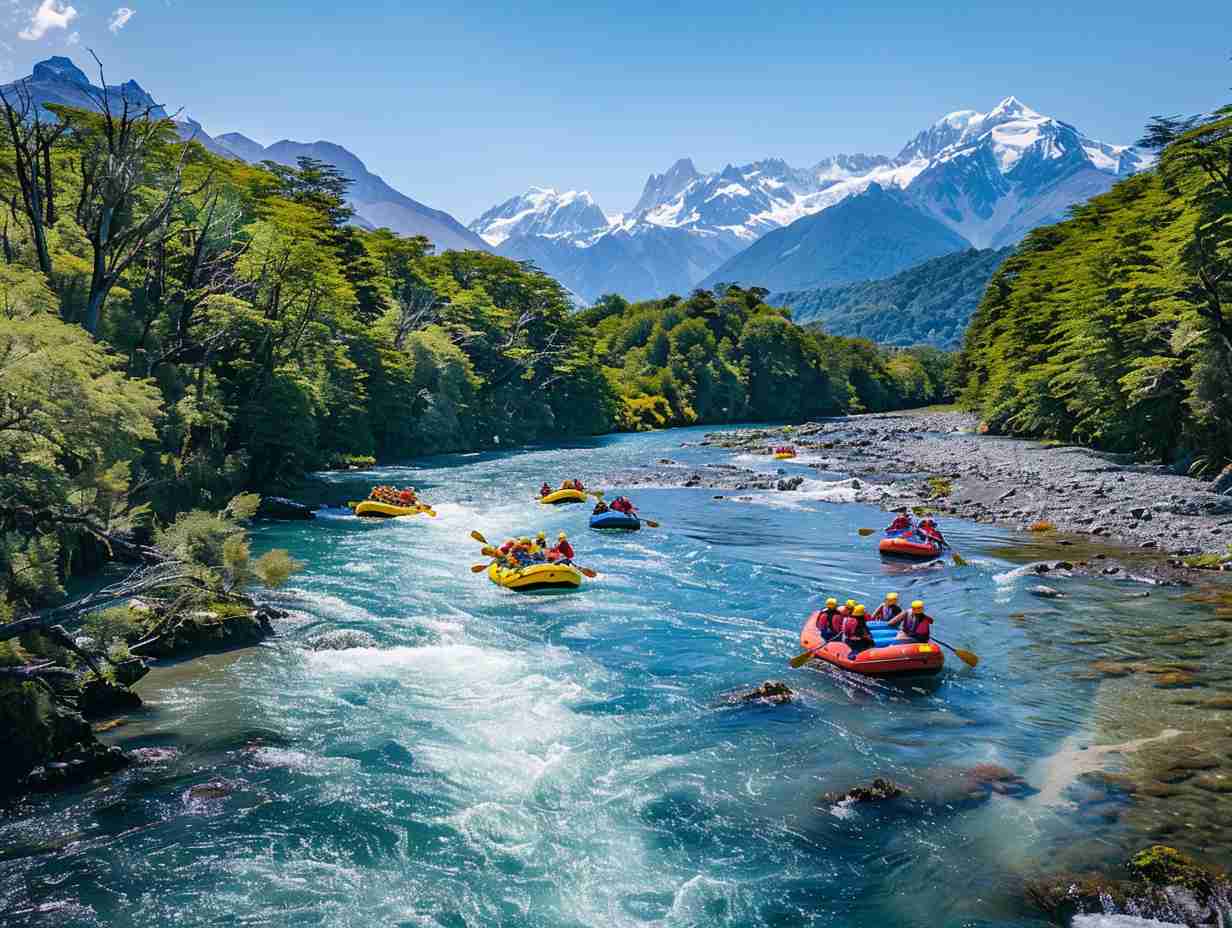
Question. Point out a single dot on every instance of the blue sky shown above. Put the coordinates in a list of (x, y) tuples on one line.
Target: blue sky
[(464, 106)]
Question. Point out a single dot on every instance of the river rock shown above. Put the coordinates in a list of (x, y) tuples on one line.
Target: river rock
[(791, 483), (102, 697), (1045, 592), (206, 792), (877, 791), (282, 509), (772, 692), (342, 639)]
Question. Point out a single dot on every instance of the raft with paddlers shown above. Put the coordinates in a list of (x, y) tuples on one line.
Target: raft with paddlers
[(536, 577), (389, 503), (913, 547), (784, 453), (890, 656), (611, 519), (563, 496)]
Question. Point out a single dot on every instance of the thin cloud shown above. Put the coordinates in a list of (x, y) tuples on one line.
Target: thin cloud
[(51, 14), (120, 18)]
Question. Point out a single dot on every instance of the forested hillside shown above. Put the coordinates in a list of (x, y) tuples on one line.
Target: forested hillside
[(1115, 327), (930, 303), (177, 327), (727, 357)]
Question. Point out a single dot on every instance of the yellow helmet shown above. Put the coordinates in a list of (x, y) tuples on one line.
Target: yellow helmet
[(831, 603), (524, 541), (891, 597), (562, 536), (851, 604), (540, 536), (858, 611), (917, 606)]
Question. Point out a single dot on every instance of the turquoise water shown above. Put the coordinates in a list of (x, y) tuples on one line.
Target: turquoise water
[(570, 760)]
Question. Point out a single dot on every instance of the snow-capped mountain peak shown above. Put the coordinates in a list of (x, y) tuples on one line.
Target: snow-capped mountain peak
[(542, 211)]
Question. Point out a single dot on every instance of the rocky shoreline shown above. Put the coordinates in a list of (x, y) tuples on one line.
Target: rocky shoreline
[(1066, 495)]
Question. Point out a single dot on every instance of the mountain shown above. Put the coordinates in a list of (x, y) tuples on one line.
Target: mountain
[(376, 204), (930, 303), (865, 237), (59, 80), (988, 177), (541, 211)]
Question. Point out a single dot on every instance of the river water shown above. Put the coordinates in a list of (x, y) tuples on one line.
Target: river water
[(491, 759)]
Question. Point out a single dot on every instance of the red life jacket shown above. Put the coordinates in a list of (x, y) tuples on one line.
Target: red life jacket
[(564, 549), (918, 626), (855, 627), (830, 620)]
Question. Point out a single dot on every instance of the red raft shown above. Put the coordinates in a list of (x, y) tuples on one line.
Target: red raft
[(891, 657), (907, 547)]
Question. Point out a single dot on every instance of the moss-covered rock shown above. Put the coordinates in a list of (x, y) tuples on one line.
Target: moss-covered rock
[(218, 627), (45, 744)]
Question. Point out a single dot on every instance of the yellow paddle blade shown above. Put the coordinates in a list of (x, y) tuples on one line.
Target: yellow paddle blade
[(967, 657), (489, 551), (801, 659), (960, 561), (478, 568), (587, 572), (865, 532), (430, 513), (650, 522), (479, 538)]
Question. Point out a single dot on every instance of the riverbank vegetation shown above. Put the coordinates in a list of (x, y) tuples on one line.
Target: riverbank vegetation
[(1114, 328)]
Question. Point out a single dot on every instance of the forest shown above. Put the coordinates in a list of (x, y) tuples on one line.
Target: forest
[(1114, 328), (177, 328)]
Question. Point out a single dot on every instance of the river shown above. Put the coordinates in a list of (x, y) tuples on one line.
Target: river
[(493, 759)]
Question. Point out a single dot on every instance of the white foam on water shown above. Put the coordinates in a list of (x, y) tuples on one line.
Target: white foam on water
[(1119, 921)]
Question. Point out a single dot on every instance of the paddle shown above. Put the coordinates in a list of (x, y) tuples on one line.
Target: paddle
[(965, 656), (479, 538), (586, 571), (478, 568), (865, 532), (959, 561), (801, 659)]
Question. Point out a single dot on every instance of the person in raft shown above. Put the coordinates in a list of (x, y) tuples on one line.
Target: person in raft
[(902, 523), (572, 485), (830, 620), (888, 609), (600, 508), (855, 631), (540, 550), (916, 625), (928, 528), (624, 505), (562, 552), (544, 490)]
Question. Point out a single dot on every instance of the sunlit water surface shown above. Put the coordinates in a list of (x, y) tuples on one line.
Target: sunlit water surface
[(569, 760)]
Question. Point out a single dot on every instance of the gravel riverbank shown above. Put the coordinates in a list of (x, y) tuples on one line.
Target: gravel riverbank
[(937, 459)]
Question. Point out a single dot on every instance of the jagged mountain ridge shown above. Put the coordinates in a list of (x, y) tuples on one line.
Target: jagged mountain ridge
[(989, 177), (542, 211)]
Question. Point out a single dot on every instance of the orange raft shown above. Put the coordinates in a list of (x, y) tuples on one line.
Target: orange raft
[(906, 547), (889, 658)]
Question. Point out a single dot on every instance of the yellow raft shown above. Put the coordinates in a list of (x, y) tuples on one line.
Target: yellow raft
[(373, 509), (784, 455), (536, 577), (564, 496)]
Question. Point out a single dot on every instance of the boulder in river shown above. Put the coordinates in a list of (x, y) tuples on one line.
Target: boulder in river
[(878, 791), (1045, 592), (772, 692), (283, 509)]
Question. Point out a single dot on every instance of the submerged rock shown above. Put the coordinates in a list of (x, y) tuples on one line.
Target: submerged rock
[(342, 639), (772, 692), (102, 697), (878, 791)]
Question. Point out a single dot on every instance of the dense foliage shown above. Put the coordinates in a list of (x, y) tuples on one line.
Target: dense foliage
[(727, 356), (1114, 328), (929, 304), (176, 328)]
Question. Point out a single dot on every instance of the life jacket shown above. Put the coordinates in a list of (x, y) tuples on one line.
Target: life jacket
[(918, 626), (565, 550), (830, 621), (545, 490), (854, 628)]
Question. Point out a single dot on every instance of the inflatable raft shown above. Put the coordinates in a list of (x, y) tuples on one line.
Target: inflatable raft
[(372, 509), (564, 496), (890, 658), (784, 455), (616, 520), (536, 577), (915, 547)]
